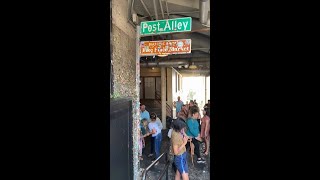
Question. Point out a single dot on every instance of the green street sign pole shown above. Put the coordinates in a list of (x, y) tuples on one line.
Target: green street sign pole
[(149, 28)]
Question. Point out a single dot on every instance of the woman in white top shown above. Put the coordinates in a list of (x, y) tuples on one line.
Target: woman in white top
[(155, 130)]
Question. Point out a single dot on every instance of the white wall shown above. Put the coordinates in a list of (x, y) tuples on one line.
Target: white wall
[(208, 88), (196, 84)]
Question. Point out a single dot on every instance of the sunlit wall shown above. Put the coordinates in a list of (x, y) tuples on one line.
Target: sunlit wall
[(196, 88)]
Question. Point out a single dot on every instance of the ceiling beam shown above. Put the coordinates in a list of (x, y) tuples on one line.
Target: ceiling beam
[(146, 8), (186, 3), (174, 13)]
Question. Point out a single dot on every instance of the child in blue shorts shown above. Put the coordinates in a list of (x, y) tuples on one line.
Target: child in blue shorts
[(179, 139)]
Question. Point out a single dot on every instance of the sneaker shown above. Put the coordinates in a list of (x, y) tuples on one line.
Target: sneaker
[(150, 155), (201, 160)]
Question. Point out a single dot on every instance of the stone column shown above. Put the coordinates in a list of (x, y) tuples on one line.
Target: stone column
[(136, 111)]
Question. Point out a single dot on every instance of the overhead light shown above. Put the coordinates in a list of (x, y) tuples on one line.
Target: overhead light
[(193, 66), (162, 55)]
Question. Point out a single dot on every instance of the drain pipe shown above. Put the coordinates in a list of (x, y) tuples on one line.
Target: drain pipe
[(130, 13), (204, 12)]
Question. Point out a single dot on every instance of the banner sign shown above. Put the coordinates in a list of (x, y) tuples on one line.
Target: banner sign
[(151, 48)]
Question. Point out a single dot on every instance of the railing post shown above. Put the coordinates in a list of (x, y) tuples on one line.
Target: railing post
[(167, 168)]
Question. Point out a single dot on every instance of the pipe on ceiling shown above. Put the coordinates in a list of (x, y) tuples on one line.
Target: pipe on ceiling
[(189, 59), (196, 55), (155, 9), (181, 57), (182, 71), (145, 7), (204, 12), (161, 7), (167, 9), (175, 13), (171, 63), (176, 63)]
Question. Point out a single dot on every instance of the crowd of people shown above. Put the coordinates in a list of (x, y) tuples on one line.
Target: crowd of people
[(187, 132), (150, 125)]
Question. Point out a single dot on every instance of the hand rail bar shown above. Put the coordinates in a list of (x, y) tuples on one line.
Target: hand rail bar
[(144, 174), (165, 171)]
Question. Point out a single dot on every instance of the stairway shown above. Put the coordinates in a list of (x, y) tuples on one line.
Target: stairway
[(152, 106), (156, 110)]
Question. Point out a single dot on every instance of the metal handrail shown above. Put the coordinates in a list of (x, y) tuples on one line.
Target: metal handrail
[(144, 174), (165, 171)]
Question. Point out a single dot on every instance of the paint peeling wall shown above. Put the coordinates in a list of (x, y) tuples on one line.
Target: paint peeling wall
[(124, 46), (123, 63)]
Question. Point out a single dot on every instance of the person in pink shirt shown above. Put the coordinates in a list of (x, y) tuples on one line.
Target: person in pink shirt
[(184, 112), (205, 128)]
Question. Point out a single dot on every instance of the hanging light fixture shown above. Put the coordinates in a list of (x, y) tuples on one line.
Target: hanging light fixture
[(193, 66)]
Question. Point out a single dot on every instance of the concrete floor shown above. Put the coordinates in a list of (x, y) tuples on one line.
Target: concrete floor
[(198, 171)]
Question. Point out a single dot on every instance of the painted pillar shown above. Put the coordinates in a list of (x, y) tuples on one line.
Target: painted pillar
[(169, 89), (163, 97), (136, 111)]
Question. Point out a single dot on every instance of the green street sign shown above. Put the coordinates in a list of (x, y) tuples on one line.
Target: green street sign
[(166, 26)]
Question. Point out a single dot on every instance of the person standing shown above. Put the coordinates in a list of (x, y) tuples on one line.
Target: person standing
[(179, 139), (144, 114), (194, 133), (191, 103), (199, 117), (205, 129), (183, 113), (158, 121), (178, 105), (156, 134), (195, 102), (143, 134)]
